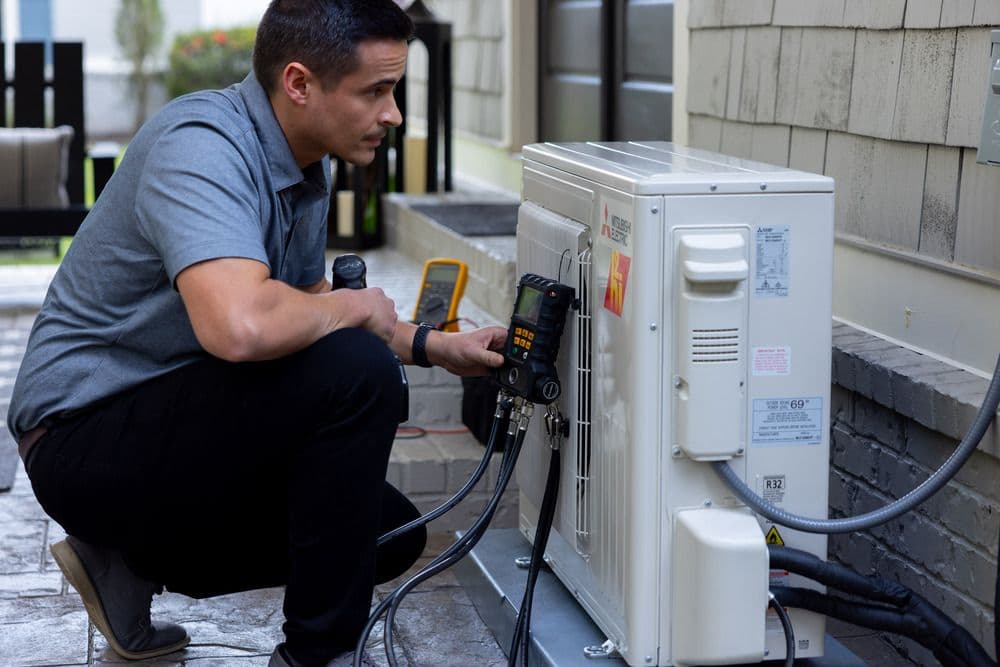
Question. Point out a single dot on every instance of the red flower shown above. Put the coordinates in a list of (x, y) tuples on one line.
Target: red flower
[(219, 37)]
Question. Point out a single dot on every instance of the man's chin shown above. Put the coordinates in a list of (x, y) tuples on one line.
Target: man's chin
[(361, 157)]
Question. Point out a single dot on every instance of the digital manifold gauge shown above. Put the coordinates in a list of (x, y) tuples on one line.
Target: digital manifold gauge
[(532, 345)]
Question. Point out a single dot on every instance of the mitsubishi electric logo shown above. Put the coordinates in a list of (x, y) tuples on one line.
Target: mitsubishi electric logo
[(616, 228)]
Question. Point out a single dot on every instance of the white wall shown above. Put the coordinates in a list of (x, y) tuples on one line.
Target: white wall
[(230, 13)]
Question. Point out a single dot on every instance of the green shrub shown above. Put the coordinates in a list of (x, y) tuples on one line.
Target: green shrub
[(209, 59)]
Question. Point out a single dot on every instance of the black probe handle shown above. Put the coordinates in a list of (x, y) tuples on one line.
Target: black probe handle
[(350, 272)]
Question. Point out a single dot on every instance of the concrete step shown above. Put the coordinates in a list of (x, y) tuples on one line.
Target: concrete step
[(491, 259)]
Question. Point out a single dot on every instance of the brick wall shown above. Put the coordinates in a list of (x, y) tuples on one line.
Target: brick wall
[(885, 96), (897, 416), (477, 68)]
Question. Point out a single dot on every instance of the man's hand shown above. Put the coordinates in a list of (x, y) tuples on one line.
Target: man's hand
[(467, 353), (367, 308)]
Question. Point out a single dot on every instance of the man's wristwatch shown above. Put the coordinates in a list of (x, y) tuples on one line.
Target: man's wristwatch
[(419, 350)]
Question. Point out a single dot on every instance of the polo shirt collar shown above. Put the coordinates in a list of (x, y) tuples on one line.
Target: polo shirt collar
[(284, 169)]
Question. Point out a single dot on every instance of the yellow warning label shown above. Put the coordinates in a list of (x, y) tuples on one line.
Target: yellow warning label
[(774, 537)]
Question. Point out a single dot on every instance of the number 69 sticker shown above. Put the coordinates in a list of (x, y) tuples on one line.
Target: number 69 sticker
[(787, 421)]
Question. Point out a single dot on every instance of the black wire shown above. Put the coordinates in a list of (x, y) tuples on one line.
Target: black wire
[(786, 625), (546, 513), (464, 491), (454, 553)]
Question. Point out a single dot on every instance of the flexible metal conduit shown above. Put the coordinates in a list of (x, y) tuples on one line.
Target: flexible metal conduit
[(918, 495)]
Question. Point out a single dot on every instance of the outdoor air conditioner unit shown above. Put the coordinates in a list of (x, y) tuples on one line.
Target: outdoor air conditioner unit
[(703, 335)]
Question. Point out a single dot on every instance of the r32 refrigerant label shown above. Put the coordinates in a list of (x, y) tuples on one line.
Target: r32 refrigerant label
[(787, 421), (771, 278)]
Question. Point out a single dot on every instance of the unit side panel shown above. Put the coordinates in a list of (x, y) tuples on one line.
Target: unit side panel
[(787, 408), (626, 266)]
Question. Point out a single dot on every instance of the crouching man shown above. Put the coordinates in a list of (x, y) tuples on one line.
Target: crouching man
[(196, 408)]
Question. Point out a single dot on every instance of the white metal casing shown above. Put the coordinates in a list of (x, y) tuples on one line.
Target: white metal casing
[(627, 225)]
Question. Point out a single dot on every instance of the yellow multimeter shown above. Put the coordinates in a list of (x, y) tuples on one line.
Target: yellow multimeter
[(441, 289)]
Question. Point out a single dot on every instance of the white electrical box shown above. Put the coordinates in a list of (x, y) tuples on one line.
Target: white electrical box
[(703, 335)]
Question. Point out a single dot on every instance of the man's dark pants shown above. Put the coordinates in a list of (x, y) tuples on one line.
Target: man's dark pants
[(222, 477)]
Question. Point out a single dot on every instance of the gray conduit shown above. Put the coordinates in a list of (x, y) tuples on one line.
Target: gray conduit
[(918, 495)]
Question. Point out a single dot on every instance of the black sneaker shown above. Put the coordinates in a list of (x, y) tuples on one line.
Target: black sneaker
[(117, 601)]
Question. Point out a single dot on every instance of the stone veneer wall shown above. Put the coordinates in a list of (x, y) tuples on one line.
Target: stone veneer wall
[(885, 96), (477, 66)]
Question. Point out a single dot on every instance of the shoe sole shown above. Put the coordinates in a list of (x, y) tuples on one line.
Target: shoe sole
[(76, 574)]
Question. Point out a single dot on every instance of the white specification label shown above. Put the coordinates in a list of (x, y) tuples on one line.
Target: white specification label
[(772, 489), (787, 421), (772, 361), (771, 278)]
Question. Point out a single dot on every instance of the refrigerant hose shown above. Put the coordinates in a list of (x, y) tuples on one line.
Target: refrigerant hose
[(929, 487), (500, 417), (521, 641), (450, 556)]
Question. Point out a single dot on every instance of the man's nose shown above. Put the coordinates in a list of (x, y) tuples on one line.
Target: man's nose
[(391, 115)]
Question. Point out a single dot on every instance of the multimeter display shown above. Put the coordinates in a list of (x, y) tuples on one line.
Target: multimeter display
[(532, 345), (440, 291)]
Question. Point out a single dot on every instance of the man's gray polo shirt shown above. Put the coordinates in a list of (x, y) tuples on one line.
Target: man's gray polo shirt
[(211, 175)]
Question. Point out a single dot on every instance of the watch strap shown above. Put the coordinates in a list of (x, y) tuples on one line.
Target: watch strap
[(419, 350)]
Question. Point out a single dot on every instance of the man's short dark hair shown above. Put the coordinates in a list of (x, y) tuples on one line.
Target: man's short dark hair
[(323, 35)]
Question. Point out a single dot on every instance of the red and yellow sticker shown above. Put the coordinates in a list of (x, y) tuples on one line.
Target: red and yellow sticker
[(614, 295)]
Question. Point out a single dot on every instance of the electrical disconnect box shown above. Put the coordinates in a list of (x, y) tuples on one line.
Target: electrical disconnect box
[(703, 335), (989, 144)]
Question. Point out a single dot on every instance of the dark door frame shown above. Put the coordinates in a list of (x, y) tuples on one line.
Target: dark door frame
[(608, 60)]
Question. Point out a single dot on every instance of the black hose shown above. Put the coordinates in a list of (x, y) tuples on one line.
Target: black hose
[(449, 504), (786, 625), (924, 617), (838, 576), (919, 621), (452, 555), (521, 639)]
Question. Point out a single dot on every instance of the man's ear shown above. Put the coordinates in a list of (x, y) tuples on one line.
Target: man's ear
[(296, 79)]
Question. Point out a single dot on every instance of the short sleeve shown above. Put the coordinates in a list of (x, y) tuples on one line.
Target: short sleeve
[(197, 200)]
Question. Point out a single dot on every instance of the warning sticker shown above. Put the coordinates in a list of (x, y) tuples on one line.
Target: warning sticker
[(614, 295), (771, 279), (773, 489), (787, 421), (774, 537), (772, 361)]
